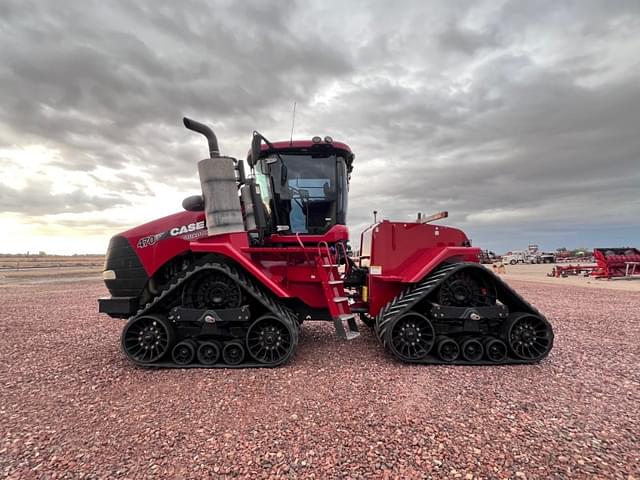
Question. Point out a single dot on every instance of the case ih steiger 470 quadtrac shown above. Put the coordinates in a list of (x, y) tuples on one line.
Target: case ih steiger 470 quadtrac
[(229, 281)]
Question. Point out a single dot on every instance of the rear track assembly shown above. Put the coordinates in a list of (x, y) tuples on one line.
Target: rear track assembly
[(453, 317)]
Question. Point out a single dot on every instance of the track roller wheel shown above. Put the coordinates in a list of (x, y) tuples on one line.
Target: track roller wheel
[(411, 336), (495, 349), (471, 350), (269, 340), (233, 353), (529, 336), (184, 352), (208, 353), (147, 339), (448, 349)]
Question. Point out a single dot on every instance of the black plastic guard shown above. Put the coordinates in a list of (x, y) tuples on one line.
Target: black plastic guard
[(118, 307)]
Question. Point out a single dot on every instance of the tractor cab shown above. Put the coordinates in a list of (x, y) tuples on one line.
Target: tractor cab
[(294, 188), (303, 185)]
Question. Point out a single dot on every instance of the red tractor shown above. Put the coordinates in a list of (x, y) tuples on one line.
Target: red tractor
[(229, 281)]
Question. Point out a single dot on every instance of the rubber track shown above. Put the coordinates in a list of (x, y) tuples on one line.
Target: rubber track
[(249, 285), (409, 297)]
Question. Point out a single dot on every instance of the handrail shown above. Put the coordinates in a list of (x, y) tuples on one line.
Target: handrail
[(303, 248), (326, 246), (346, 256)]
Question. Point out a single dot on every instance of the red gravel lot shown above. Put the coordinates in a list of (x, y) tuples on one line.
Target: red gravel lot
[(71, 406)]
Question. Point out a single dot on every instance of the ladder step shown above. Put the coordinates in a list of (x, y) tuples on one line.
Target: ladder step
[(340, 299), (335, 282), (330, 265), (346, 326)]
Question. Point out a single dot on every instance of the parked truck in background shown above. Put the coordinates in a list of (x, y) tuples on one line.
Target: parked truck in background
[(516, 256)]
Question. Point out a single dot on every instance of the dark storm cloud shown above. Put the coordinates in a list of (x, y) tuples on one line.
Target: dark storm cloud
[(465, 40), (37, 199), (514, 117), (123, 183), (97, 79), (541, 138)]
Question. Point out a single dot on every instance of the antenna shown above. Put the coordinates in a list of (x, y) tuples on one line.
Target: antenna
[(293, 123)]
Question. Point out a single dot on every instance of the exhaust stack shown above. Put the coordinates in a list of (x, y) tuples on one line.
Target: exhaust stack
[(201, 128), (219, 186)]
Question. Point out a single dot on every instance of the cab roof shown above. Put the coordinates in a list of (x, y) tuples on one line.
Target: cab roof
[(309, 147)]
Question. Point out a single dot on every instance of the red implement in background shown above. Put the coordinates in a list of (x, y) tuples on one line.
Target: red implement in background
[(616, 262)]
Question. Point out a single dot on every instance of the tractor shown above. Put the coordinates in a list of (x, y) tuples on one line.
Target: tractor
[(229, 281)]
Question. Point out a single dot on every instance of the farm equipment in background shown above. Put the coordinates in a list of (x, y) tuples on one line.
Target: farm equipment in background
[(611, 263), (571, 270), (229, 281), (545, 257), (616, 262), (516, 256), (487, 257), (531, 255)]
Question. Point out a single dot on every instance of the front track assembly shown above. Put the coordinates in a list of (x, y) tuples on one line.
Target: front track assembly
[(211, 316), (463, 314)]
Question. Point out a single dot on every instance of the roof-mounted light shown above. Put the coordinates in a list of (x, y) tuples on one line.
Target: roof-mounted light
[(328, 139), (316, 139)]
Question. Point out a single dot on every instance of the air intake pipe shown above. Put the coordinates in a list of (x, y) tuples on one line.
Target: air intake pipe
[(201, 128)]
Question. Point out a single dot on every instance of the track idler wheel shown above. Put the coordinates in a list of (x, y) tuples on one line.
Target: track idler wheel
[(471, 350), (233, 353), (529, 336), (147, 339), (270, 340), (411, 336), (448, 349), (495, 349), (184, 352), (208, 353)]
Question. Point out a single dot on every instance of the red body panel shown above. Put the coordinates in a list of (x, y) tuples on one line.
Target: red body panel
[(400, 253), (337, 233), (161, 246), (289, 272)]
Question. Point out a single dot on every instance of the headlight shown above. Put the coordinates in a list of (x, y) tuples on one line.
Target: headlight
[(108, 275)]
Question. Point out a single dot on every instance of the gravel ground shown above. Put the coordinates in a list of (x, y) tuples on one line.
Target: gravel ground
[(71, 406)]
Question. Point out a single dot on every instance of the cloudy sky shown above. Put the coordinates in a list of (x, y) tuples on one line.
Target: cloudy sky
[(522, 119)]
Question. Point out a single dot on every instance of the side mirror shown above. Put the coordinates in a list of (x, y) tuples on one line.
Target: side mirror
[(256, 142)]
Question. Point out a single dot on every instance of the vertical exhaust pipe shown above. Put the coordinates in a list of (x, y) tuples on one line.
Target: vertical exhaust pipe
[(219, 186), (201, 128)]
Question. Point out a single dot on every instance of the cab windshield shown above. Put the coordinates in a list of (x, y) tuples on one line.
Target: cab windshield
[(311, 192)]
